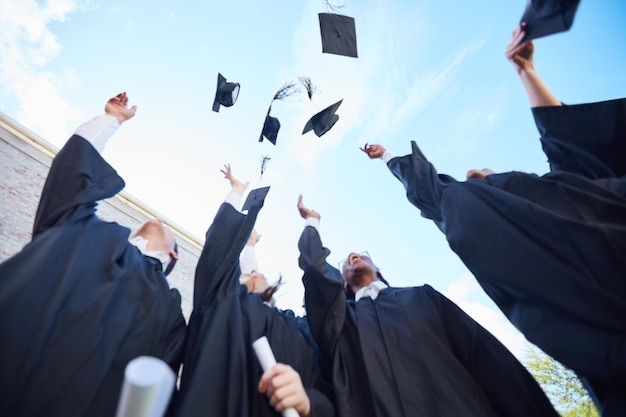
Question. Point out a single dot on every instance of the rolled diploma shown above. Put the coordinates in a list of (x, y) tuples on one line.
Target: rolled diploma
[(147, 389), (266, 357)]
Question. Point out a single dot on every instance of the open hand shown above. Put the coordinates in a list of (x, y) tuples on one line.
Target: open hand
[(373, 151), (520, 53), (118, 108), (234, 182), (306, 212)]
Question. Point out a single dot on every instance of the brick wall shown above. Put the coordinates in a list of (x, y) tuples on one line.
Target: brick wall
[(24, 163)]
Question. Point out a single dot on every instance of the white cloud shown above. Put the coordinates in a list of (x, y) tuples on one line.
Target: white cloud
[(425, 88), (43, 109), (460, 289), (26, 47)]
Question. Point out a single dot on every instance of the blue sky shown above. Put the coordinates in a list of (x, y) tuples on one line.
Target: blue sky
[(428, 70)]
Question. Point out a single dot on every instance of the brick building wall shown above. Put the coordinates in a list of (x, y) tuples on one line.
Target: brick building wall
[(25, 160)]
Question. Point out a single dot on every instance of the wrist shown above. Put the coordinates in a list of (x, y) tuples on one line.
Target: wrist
[(387, 156), (120, 119), (527, 74)]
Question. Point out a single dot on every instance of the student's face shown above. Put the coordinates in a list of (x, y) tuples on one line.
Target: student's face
[(356, 266), (479, 174), (257, 283)]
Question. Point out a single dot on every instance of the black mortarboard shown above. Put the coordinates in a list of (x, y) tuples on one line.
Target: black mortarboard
[(271, 126), (225, 94), (547, 17), (338, 34), (321, 122), (255, 198)]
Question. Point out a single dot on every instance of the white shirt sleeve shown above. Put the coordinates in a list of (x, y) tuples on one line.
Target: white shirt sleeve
[(234, 199), (98, 130), (313, 221), (388, 155), (247, 261)]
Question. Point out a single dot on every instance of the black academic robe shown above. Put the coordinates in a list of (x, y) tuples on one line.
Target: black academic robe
[(410, 352), (79, 301), (549, 250), (221, 372)]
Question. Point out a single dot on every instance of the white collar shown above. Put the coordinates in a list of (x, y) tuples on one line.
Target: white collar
[(371, 290), (142, 244)]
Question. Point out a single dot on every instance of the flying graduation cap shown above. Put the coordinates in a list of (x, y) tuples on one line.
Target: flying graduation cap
[(226, 93), (321, 122), (271, 126), (547, 17), (338, 34)]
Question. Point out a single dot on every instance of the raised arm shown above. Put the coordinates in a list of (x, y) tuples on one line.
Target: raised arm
[(218, 271), (588, 139), (324, 296), (424, 187), (520, 54), (79, 176), (237, 186), (247, 260)]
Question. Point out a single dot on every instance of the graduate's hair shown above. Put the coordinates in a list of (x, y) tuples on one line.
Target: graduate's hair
[(170, 266), (268, 295)]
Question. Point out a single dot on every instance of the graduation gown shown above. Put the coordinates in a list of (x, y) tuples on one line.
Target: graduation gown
[(549, 250), (79, 301), (410, 352), (221, 372)]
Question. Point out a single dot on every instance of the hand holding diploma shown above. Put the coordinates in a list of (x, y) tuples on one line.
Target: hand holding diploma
[(281, 383)]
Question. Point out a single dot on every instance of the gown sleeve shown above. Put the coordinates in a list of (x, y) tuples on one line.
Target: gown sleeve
[(424, 187), (586, 139), (173, 340), (218, 271), (325, 300), (321, 404), (505, 381), (79, 177)]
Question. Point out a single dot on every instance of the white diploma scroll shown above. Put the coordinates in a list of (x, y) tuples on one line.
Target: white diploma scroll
[(266, 357), (148, 386)]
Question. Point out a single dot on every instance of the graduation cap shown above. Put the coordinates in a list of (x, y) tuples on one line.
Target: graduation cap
[(225, 94), (338, 34), (547, 17), (321, 122), (255, 198), (271, 126)]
